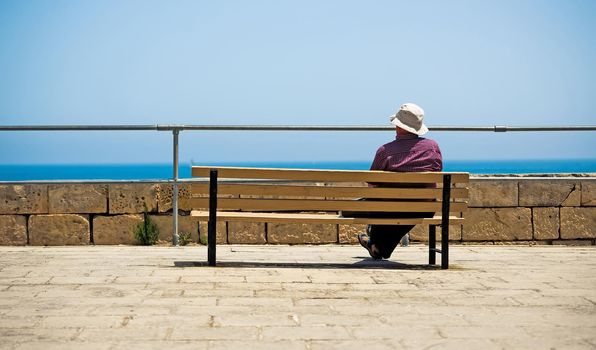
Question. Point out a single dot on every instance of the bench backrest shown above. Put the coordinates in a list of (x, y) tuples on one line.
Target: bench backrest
[(263, 189)]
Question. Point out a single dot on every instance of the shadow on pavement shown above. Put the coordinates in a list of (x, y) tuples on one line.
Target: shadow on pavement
[(365, 263)]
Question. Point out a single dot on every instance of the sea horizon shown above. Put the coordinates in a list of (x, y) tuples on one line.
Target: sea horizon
[(146, 171)]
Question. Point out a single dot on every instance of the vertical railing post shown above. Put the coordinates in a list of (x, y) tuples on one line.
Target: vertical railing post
[(445, 221), (175, 236), (212, 224)]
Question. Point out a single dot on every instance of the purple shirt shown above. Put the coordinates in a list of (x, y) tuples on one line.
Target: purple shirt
[(408, 153)]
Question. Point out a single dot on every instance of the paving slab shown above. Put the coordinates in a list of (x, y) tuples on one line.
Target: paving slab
[(296, 297)]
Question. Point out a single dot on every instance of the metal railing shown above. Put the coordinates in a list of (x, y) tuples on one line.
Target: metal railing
[(175, 129)]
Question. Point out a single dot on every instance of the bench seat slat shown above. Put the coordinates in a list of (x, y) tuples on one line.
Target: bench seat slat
[(328, 175), (318, 218), (249, 204), (328, 191)]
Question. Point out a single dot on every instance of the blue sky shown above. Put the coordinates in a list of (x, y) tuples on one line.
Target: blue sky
[(293, 62)]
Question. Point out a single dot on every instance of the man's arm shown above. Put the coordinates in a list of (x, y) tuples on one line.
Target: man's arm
[(379, 162), (438, 159)]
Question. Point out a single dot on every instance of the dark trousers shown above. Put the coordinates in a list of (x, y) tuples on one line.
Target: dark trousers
[(387, 237)]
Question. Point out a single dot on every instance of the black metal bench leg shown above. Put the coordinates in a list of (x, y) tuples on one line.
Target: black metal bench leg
[(445, 247), (432, 244), (212, 224), (445, 222)]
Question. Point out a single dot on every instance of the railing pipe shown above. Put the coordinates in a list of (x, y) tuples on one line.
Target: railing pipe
[(165, 127), (79, 127)]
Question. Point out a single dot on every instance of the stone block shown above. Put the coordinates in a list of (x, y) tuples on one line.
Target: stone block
[(221, 232), (420, 233), (185, 224), (298, 233), (246, 232), (549, 193), (117, 229), (497, 224), (59, 229), (546, 223), (70, 198), (578, 223), (165, 196), (588, 195), (132, 198), (23, 199), (493, 193), (348, 234), (13, 230)]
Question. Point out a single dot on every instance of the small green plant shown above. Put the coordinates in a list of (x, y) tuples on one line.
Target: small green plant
[(203, 238), (146, 232), (184, 238)]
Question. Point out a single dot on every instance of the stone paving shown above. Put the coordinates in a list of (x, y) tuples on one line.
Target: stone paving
[(296, 297)]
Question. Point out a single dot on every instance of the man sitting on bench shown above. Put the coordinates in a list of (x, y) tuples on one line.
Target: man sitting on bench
[(408, 152)]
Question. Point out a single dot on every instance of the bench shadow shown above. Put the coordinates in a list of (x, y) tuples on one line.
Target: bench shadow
[(365, 263)]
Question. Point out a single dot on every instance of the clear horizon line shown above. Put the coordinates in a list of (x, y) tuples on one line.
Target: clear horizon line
[(288, 162)]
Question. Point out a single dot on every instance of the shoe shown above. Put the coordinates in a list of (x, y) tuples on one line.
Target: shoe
[(364, 241)]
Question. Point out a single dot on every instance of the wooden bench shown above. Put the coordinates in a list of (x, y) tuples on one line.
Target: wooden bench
[(319, 196)]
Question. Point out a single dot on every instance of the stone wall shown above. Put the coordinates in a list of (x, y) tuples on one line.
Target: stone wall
[(521, 209)]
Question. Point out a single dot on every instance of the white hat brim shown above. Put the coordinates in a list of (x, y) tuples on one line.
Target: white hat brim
[(423, 129)]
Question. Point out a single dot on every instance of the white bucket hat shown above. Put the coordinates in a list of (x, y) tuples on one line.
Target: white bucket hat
[(410, 117)]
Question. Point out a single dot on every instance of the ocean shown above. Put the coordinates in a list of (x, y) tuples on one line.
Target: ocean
[(164, 171)]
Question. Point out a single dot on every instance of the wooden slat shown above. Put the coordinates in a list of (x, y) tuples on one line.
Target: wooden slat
[(318, 218), (321, 191), (249, 204), (327, 175)]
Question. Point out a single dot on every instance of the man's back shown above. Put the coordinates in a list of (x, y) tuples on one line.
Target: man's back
[(408, 153)]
